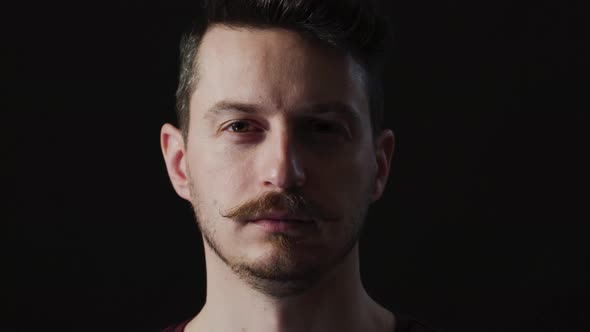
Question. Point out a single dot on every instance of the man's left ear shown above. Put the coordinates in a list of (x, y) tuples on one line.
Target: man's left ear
[(384, 147)]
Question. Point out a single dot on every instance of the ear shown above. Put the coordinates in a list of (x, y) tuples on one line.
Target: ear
[(173, 149), (384, 147)]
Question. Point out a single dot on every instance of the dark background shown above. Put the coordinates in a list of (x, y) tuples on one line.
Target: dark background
[(482, 227)]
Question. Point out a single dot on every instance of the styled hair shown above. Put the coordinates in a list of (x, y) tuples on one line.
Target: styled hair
[(353, 26)]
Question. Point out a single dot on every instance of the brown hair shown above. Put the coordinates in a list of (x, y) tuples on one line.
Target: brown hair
[(355, 26)]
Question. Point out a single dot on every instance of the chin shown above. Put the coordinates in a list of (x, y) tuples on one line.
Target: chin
[(279, 274), (278, 262)]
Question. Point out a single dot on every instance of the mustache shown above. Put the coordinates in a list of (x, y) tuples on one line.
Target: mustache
[(291, 202)]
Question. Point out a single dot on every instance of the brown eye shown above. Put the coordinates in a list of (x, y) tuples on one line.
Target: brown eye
[(323, 126), (326, 127), (241, 127)]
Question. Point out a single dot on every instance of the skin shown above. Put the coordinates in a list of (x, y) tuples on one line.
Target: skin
[(257, 127)]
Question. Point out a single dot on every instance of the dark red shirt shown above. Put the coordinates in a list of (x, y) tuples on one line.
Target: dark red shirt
[(404, 324)]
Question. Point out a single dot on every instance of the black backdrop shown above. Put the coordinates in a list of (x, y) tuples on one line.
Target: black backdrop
[(482, 227)]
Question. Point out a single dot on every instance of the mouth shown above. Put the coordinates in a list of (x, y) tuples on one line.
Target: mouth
[(283, 226), (281, 216), (283, 223)]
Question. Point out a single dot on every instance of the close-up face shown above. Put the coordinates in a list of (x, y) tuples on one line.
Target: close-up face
[(279, 130)]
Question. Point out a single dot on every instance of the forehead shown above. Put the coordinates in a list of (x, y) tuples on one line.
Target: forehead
[(274, 68)]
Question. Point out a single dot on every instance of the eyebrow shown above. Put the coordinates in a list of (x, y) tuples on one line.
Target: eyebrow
[(229, 106), (334, 107), (319, 108)]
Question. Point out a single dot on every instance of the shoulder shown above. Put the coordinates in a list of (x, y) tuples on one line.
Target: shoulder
[(176, 328), (406, 323)]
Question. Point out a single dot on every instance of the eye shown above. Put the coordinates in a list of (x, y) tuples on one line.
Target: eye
[(241, 127), (327, 127), (323, 126)]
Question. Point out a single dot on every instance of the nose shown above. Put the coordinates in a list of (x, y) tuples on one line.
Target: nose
[(282, 164)]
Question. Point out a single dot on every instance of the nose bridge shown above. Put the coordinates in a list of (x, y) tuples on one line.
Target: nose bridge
[(283, 165)]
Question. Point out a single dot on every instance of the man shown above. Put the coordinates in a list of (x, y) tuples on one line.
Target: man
[(280, 152)]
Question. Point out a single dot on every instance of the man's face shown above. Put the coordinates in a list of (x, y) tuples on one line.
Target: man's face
[(279, 129)]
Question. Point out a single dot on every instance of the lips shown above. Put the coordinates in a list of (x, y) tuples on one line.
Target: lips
[(283, 222), (282, 217), (292, 227)]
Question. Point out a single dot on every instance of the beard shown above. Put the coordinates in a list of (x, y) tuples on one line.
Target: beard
[(279, 272)]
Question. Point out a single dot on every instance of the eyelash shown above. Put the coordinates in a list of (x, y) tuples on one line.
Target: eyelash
[(333, 127), (229, 126)]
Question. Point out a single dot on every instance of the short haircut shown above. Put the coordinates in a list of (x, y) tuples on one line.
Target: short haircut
[(356, 27)]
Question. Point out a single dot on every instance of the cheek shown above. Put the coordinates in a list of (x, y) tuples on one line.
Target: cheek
[(344, 174), (342, 186), (220, 172)]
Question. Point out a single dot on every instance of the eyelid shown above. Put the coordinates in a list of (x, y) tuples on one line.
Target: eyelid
[(250, 123), (332, 118), (340, 125)]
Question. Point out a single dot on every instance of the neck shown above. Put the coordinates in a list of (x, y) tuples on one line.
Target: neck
[(336, 302)]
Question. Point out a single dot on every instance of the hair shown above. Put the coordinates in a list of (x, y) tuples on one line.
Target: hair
[(353, 26)]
